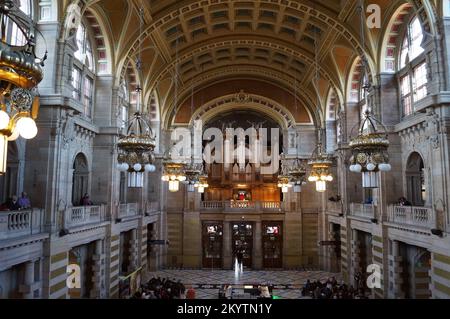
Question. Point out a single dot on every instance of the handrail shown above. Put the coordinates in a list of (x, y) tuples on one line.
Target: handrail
[(411, 216), (15, 224)]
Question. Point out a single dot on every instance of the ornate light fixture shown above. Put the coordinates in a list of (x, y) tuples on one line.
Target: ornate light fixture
[(136, 151), (284, 178), (192, 172), (136, 148), (297, 175), (202, 183), (174, 173), (320, 164), (369, 151), (20, 73)]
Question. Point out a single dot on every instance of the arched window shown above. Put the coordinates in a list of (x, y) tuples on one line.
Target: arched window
[(80, 183), (413, 71), (411, 46), (83, 71)]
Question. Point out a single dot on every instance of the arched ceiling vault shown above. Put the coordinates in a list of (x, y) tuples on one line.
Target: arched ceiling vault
[(186, 41)]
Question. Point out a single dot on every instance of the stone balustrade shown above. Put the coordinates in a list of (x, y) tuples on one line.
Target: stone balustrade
[(152, 207), (84, 215), (421, 217), (128, 210), (241, 206), (334, 208), (14, 224), (365, 211)]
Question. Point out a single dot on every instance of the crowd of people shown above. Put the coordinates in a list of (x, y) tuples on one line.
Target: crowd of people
[(164, 288), (14, 203), (331, 289)]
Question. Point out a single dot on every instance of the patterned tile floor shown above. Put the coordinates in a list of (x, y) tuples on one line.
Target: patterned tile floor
[(287, 283)]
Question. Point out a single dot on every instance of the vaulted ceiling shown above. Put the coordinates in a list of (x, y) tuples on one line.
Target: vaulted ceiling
[(187, 45)]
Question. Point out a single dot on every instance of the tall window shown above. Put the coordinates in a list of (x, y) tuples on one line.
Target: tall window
[(88, 90), (411, 47), (413, 73), (14, 35), (420, 82), (406, 95), (76, 83), (83, 71), (84, 52)]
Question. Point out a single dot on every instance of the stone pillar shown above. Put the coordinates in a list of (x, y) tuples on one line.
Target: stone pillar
[(98, 271), (27, 289), (355, 256), (133, 251), (395, 271), (227, 253), (257, 246)]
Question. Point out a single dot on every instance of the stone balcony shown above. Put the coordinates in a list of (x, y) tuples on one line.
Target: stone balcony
[(17, 224), (364, 212), (81, 216), (334, 208), (128, 210), (411, 217), (242, 206)]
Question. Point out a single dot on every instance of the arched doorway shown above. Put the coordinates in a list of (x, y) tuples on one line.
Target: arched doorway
[(415, 180), (80, 183)]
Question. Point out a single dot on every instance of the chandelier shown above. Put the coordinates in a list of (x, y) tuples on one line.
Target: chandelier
[(136, 151), (202, 183), (192, 173), (369, 151), (20, 73), (284, 179), (174, 173), (297, 175), (320, 164)]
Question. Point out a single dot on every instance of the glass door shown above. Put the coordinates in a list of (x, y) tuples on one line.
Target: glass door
[(243, 242), (272, 241), (212, 244)]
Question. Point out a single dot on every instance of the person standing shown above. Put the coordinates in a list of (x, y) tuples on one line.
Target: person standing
[(24, 201)]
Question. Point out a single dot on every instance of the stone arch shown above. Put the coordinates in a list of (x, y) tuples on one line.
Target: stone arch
[(252, 102), (415, 179), (80, 181), (354, 80), (392, 38)]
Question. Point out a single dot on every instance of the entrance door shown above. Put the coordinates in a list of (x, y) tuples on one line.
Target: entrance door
[(272, 241), (212, 244), (243, 241)]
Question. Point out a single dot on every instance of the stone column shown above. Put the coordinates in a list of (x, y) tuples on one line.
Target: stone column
[(227, 253), (133, 251), (395, 271), (27, 289), (98, 271), (257, 246), (355, 256)]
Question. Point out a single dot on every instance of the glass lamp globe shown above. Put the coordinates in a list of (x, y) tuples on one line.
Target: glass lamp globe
[(27, 128), (4, 120), (174, 186)]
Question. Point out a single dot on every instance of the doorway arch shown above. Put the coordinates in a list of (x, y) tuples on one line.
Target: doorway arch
[(80, 182), (415, 180)]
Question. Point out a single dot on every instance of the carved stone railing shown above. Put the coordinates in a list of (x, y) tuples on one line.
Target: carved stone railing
[(15, 224), (334, 208), (365, 211), (128, 210), (84, 215), (152, 207), (421, 217), (241, 206)]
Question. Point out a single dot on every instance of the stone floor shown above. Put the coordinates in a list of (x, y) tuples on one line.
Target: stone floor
[(207, 282)]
